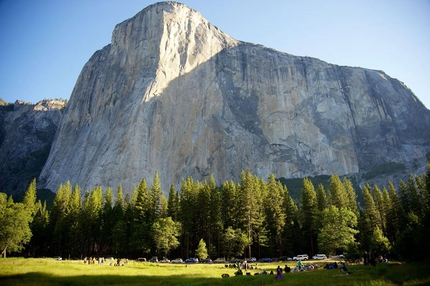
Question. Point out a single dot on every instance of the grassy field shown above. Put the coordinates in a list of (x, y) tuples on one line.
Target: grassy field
[(47, 271)]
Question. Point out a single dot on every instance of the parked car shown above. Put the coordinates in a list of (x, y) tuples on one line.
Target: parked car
[(192, 260), (285, 258), (266, 259), (301, 257), (236, 260), (274, 259), (165, 260), (154, 259), (140, 259), (177, 260), (58, 258), (220, 260), (252, 259), (207, 260), (319, 256)]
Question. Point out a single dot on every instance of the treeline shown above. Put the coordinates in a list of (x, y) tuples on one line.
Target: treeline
[(252, 218)]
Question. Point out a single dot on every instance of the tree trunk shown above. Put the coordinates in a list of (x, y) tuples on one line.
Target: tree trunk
[(4, 252)]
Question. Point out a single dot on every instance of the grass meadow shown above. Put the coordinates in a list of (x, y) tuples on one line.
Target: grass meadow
[(47, 271)]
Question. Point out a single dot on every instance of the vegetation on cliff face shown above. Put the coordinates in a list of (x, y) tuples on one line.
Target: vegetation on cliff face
[(253, 217)]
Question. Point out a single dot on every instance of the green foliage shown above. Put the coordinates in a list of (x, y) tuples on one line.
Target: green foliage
[(165, 233), (201, 251), (384, 169), (338, 229), (14, 225), (250, 218)]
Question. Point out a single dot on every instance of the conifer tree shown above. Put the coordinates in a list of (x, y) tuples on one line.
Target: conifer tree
[(351, 196), (250, 204), (40, 239), (30, 198), (308, 212), (338, 196), (321, 198), (394, 213), (274, 212), (173, 203)]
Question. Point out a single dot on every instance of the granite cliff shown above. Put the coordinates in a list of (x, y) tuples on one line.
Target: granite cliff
[(175, 94), (26, 134)]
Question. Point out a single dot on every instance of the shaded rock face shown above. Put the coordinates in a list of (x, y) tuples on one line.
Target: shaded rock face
[(174, 94), (26, 134)]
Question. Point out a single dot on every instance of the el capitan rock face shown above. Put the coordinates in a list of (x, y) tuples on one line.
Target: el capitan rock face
[(175, 94)]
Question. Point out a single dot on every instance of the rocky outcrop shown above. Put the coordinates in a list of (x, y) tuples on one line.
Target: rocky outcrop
[(174, 94), (26, 134)]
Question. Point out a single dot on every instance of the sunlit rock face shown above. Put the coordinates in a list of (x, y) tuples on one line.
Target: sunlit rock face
[(174, 94)]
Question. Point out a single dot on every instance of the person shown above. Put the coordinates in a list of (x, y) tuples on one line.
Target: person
[(300, 265), (287, 269), (344, 268), (278, 273)]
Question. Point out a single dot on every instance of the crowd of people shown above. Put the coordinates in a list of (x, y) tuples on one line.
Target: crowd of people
[(101, 261)]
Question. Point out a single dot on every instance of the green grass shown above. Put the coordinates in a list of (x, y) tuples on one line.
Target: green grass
[(20, 271)]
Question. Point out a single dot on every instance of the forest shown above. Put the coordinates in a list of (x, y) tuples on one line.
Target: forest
[(255, 217)]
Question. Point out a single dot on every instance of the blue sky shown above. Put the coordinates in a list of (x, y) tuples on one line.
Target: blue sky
[(45, 44)]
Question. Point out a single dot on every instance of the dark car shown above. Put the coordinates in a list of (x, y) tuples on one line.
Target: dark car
[(266, 259), (192, 260), (236, 260), (285, 258)]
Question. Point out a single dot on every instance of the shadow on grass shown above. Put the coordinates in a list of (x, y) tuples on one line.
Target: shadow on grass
[(37, 278), (384, 274)]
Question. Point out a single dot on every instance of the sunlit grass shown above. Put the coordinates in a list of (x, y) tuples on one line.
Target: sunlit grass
[(20, 271)]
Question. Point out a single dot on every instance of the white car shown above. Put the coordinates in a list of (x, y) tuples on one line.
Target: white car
[(319, 256), (301, 257)]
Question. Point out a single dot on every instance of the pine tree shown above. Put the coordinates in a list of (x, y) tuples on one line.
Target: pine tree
[(351, 196), (30, 198), (394, 213), (188, 212), (250, 207), (58, 218), (154, 199), (40, 239), (308, 212), (338, 195), (274, 212), (173, 203), (321, 198)]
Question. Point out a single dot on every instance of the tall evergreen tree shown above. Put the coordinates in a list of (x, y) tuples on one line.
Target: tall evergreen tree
[(250, 204), (394, 213), (274, 212), (29, 200), (308, 212), (188, 213), (321, 198), (338, 195), (173, 204), (351, 196), (40, 239), (58, 217)]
